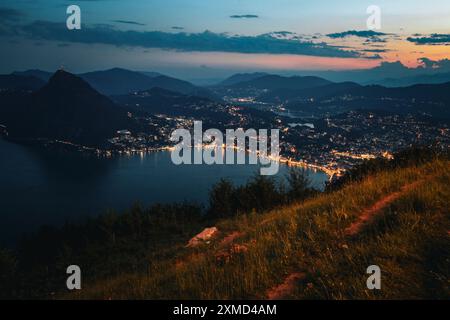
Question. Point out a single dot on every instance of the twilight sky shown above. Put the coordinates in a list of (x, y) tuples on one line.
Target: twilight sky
[(214, 38)]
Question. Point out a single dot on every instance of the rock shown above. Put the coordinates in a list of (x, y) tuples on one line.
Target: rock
[(238, 248), (202, 237)]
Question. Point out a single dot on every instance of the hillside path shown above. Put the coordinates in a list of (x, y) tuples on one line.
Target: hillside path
[(368, 215), (365, 218)]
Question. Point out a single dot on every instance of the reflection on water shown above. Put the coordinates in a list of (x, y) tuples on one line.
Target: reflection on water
[(39, 187)]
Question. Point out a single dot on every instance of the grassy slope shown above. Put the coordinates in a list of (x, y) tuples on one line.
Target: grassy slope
[(409, 241)]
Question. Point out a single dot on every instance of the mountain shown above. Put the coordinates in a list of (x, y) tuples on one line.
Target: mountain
[(420, 92), (121, 81), (163, 101), (43, 75), (117, 81), (366, 76), (409, 81), (173, 84), (241, 77), (66, 108), (389, 74), (432, 100), (20, 82), (180, 86), (151, 74), (274, 82), (284, 95)]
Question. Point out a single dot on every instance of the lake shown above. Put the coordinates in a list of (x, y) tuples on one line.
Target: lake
[(40, 187)]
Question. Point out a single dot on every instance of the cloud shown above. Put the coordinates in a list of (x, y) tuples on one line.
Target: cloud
[(375, 50), (205, 41), (9, 19), (244, 16), (375, 57), (8, 14), (375, 40), (434, 38), (283, 32), (443, 64), (361, 34), (129, 22)]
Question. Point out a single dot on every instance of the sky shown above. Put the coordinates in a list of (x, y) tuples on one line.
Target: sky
[(213, 38)]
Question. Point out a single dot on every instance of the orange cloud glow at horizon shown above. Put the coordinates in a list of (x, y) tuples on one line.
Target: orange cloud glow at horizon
[(269, 61)]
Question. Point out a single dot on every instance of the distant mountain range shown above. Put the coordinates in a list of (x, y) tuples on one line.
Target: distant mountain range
[(66, 108), (388, 74), (120, 81), (43, 75), (419, 92), (20, 82), (117, 81), (314, 96), (241, 77), (409, 81), (114, 81), (279, 89), (157, 100), (163, 101), (283, 95), (274, 82)]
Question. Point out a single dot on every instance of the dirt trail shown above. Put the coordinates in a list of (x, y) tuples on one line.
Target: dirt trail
[(229, 239), (366, 217), (283, 290)]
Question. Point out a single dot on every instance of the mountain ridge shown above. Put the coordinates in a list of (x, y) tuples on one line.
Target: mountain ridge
[(273, 82), (66, 108)]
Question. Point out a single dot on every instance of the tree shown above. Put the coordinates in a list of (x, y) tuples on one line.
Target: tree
[(298, 184), (260, 193), (221, 199)]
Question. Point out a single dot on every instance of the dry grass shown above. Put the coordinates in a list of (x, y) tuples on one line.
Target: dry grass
[(409, 241)]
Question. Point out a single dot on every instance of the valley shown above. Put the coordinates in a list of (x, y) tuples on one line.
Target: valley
[(349, 122)]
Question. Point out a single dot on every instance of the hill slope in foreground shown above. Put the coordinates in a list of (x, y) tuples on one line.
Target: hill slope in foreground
[(318, 249)]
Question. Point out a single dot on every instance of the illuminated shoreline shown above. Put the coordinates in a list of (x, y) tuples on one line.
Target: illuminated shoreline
[(280, 159)]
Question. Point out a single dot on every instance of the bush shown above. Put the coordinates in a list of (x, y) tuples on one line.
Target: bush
[(414, 156), (259, 194), (221, 199), (298, 185)]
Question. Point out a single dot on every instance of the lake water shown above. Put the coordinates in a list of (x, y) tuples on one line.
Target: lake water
[(39, 187)]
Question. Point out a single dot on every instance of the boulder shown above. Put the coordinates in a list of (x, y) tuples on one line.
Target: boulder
[(202, 237)]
